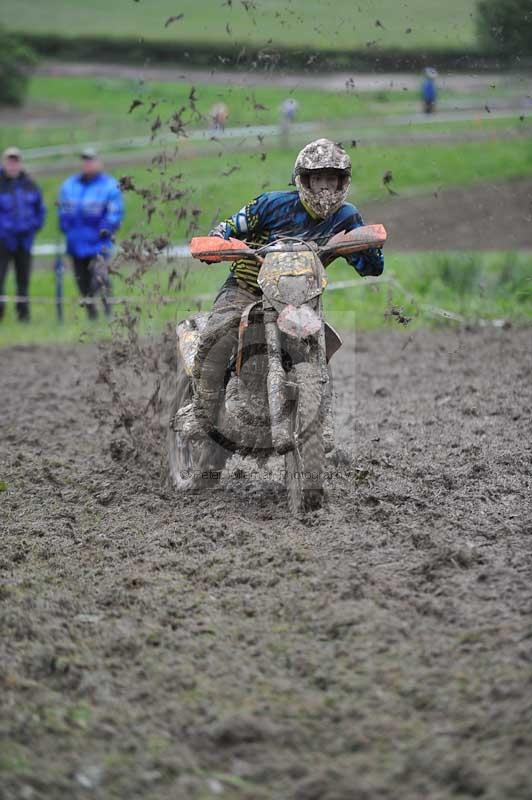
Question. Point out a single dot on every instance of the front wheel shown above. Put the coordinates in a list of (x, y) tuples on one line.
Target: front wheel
[(304, 464)]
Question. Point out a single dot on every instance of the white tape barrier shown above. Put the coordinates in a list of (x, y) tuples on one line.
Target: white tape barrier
[(175, 250), (167, 299), (87, 301), (447, 113), (359, 283), (136, 142)]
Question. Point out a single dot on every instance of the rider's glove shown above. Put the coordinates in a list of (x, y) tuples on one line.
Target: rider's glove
[(219, 230)]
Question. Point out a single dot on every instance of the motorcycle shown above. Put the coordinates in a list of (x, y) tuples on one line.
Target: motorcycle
[(278, 393)]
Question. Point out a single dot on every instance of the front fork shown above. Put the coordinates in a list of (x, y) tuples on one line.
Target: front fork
[(326, 392), (280, 390), (277, 385)]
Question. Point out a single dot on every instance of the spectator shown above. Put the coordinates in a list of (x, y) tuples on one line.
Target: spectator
[(288, 109), (429, 91), (219, 114), (22, 214), (90, 213)]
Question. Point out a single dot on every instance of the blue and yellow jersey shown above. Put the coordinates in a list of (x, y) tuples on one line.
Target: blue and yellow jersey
[(274, 215)]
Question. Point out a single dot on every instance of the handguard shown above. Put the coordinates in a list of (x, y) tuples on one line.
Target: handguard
[(214, 249), (362, 238)]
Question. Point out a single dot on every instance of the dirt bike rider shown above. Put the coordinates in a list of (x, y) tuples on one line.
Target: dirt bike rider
[(316, 210)]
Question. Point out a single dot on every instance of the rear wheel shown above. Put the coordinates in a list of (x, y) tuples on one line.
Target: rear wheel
[(304, 464), (192, 464)]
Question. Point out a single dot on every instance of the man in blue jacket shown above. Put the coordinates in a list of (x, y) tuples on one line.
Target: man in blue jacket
[(90, 213), (22, 214), (429, 91)]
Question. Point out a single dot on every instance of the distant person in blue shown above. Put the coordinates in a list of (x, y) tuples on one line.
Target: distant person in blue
[(429, 91), (288, 109), (90, 212), (22, 214)]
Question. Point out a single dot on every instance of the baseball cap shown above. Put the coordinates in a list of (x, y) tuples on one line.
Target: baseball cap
[(12, 152), (89, 153)]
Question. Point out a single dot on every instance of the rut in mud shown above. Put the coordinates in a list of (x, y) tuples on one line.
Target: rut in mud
[(154, 646)]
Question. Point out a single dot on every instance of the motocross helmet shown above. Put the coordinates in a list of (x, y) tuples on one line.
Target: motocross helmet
[(322, 154)]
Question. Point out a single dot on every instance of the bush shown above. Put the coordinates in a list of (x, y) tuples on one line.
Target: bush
[(16, 63), (234, 55), (506, 25)]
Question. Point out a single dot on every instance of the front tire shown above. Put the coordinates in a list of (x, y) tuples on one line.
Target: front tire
[(304, 464)]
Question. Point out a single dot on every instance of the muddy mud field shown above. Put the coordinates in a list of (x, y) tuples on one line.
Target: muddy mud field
[(493, 215), (157, 646)]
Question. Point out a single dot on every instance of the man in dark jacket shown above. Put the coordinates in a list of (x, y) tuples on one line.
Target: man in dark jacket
[(22, 214), (90, 213)]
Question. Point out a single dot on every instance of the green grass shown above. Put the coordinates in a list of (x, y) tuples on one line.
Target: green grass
[(472, 285), (475, 285), (314, 23), (69, 110), (112, 96), (423, 167), (81, 109), (515, 122)]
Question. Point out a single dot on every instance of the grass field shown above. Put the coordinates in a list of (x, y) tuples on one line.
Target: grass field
[(81, 109), (75, 109), (318, 24), (70, 111), (471, 284), (113, 96), (65, 110)]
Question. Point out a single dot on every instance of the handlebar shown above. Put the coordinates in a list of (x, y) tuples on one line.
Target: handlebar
[(214, 249)]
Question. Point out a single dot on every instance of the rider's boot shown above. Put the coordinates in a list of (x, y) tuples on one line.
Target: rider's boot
[(186, 423), (205, 406), (197, 420)]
